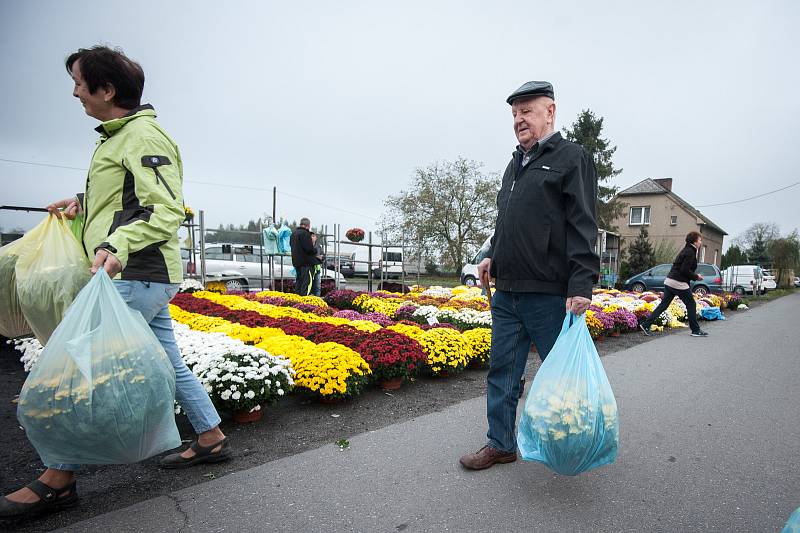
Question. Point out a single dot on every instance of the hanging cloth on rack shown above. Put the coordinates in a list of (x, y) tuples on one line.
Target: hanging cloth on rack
[(284, 236), (269, 240)]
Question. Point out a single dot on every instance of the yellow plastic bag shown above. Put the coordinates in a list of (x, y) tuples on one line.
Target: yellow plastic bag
[(12, 321), (51, 270)]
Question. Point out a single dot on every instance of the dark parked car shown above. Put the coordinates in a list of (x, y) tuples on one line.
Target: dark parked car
[(345, 265), (653, 279)]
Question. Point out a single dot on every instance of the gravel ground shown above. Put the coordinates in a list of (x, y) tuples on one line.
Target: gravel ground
[(292, 426)]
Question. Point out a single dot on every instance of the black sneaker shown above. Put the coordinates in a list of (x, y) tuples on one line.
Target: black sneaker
[(699, 333), (644, 330)]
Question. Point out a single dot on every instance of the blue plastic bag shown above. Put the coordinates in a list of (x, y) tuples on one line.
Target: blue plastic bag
[(570, 419), (793, 524), (711, 313), (103, 390)]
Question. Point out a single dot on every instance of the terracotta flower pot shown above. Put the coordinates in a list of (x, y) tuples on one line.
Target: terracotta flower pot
[(247, 417), (615, 333), (391, 384), (444, 374), (600, 338)]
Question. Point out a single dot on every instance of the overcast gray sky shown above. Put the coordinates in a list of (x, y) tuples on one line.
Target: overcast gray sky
[(339, 102)]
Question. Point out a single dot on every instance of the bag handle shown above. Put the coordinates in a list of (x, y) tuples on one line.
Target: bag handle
[(570, 320)]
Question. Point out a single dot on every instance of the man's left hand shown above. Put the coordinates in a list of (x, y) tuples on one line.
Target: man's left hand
[(578, 304), (108, 261)]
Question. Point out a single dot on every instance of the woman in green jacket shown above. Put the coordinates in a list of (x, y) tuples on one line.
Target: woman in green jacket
[(132, 208)]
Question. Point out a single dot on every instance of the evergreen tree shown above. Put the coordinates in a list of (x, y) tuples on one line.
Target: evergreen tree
[(734, 256), (640, 253), (758, 251), (586, 131)]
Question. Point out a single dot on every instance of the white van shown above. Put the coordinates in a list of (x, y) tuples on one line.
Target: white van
[(743, 279), (469, 273), (391, 262)]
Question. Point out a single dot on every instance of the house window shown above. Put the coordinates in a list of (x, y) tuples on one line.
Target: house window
[(640, 216), (703, 254), (716, 253), (673, 220)]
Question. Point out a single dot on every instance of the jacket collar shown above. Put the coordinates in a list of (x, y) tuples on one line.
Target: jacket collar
[(551, 141), (109, 127)]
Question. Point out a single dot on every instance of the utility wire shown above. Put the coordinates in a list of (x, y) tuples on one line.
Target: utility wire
[(795, 184), (41, 164), (213, 184), (209, 183)]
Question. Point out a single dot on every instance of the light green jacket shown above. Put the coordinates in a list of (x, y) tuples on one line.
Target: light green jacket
[(133, 203)]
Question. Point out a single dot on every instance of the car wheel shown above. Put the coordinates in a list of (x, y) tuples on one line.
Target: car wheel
[(739, 290), (700, 290), (638, 287), (233, 285), (470, 281)]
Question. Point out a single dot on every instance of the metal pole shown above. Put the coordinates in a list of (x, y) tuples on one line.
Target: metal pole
[(419, 259), (369, 264), (337, 261), (274, 202), (261, 251), (403, 266), (202, 248)]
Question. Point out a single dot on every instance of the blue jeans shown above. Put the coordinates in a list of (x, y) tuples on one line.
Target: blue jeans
[(316, 287), (152, 301), (517, 320)]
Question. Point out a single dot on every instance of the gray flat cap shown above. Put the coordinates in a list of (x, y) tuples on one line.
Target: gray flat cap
[(532, 88)]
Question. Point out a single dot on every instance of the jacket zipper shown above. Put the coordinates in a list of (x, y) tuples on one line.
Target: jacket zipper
[(86, 199), (160, 177)]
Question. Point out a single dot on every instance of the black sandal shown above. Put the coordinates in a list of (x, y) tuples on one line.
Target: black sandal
[(202, 454), (51, 500)]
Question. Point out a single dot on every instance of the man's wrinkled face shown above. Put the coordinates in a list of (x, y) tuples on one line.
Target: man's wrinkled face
[(533, 119)]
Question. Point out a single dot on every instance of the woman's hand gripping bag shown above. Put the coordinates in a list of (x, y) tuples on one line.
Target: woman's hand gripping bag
[(103, 390), (12, 319), (570, 419), (51, 269)]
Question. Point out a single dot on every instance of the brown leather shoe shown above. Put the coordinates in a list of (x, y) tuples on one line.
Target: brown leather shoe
[(486, 457)]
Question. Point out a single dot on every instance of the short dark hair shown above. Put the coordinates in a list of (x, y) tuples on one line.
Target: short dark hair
[(692, 236), (101, 66)]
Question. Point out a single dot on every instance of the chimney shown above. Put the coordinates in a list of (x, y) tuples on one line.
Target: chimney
[(664, 182)]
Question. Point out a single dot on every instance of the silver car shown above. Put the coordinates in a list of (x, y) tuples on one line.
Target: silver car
[(240, 266)]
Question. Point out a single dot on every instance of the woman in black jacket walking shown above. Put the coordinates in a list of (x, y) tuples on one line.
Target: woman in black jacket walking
[(677, 284)]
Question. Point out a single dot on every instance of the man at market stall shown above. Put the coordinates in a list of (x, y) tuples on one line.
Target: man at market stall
[(132, 208), (542, 257), (304, 257)]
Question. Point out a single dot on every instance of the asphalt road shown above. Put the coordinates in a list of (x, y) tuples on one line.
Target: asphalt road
[(710, 441)]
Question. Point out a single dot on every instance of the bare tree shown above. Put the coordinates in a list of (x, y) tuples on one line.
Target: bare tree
[(447, 212), (755, 240)]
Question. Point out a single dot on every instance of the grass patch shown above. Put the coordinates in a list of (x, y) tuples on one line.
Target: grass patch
[(773, 294), (428, 280)]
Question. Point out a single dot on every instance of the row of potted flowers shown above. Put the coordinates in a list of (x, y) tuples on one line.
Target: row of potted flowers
[(393, 351)]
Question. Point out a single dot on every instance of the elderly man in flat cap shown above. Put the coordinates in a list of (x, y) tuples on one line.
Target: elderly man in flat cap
[(542, 257)]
